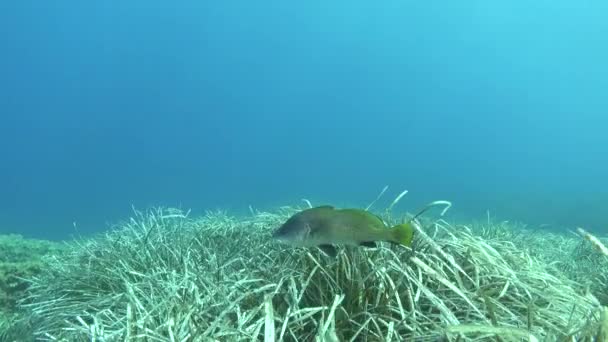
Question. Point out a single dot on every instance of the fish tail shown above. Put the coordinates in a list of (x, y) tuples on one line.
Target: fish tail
[(403, 234)]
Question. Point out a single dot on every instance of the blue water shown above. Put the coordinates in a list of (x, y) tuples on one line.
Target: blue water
[(499, 106)]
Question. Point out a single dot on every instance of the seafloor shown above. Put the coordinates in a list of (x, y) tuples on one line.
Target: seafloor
[(163, 275)]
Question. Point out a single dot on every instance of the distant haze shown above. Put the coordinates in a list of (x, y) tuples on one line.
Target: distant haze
[(499, 106)]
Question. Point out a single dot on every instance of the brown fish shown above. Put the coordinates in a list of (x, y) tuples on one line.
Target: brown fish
[(326, 226)]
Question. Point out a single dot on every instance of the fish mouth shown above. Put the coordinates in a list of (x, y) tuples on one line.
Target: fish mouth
[(292, 231), (283, 240), (286, 236), (279, 235)]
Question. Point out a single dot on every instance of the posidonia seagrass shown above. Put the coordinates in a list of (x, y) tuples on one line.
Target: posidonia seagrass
[(165, 276)]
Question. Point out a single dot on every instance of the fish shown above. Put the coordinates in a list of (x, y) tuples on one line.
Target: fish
[(326, 226)]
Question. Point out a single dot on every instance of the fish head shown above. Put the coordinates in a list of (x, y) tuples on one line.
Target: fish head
[(295, 231)]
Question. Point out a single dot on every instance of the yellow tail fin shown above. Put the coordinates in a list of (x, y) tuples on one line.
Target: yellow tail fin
[(403, 234)]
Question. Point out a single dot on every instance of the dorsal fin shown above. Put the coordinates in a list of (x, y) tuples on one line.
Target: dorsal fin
[(324, 207)]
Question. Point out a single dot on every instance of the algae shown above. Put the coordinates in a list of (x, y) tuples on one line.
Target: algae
[(20, 259)]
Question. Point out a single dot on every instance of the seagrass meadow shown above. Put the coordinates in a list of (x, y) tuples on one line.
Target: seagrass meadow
[(164, 275)]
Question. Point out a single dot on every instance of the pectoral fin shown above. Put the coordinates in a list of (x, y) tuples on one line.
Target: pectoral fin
[(330, 250), (370, 244)]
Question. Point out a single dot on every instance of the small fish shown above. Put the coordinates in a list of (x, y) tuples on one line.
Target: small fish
[(326, 226)]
